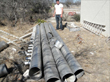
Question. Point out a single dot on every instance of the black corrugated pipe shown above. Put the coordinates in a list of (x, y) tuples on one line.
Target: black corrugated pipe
[(50, 70), (3, 70), (35, 71), (60, 61), (74, 65), (3, 45)]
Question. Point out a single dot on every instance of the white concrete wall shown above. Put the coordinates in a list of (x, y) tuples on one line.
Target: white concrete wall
[(96, 11)]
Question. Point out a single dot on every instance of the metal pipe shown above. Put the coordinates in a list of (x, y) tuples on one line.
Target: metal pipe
[(63, 68), (33, 33), (35, 71), (26, 35), (3, 45), (10, 34), (47, 28), (50, 70), (74, 65), (27, 63), (28, 54), (10, 41), (3, 70), (48, 31), (62, 65)]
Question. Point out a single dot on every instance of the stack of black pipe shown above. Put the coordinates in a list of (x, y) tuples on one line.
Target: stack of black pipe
[(50, 62)]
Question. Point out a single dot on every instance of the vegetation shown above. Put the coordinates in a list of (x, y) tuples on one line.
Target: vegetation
[(40, 21), (14, 11), (65, 16), (77, 17), (70, 2)]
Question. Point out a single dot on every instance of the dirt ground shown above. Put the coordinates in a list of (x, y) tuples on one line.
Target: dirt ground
[(91, 51), (11, 56)]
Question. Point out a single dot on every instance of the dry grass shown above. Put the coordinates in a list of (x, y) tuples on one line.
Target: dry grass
[(93, 53), (18, 31)]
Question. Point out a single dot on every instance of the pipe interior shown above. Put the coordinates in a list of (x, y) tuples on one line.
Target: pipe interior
[(53, 80), (67, 76), (34, 71), (78, 71)]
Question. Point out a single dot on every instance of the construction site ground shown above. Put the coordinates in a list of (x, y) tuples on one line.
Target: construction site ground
[(91, 51)]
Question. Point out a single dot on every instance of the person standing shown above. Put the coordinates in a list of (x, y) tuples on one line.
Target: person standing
[(58, 13)]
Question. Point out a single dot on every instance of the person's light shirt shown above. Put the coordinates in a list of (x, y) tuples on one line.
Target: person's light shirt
[(59, 9)]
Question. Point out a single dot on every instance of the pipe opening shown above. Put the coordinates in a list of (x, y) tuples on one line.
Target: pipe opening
[(53, 80), (79, 73), (3, 70), (69, 76), (34, 71)]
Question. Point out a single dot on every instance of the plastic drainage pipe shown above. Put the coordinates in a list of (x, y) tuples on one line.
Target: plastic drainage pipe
[(74, 65), (50, 70), (3, 45), (35, 71), (3, 70)]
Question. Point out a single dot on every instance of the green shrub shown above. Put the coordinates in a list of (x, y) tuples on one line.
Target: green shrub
[(40, 21), (77, 17), (65, 16), (53, 5)]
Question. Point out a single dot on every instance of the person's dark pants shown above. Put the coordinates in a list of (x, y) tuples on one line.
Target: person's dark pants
[(59, 19)]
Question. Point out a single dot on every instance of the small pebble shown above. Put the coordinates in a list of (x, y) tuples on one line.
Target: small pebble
[(72, 51), (91, 53)]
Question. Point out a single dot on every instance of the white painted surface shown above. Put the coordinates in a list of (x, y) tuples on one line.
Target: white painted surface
[(96, 11)]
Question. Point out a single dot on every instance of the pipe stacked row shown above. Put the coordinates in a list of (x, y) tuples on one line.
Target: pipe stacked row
[(57, 65), (35, 71), (74, 65)]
